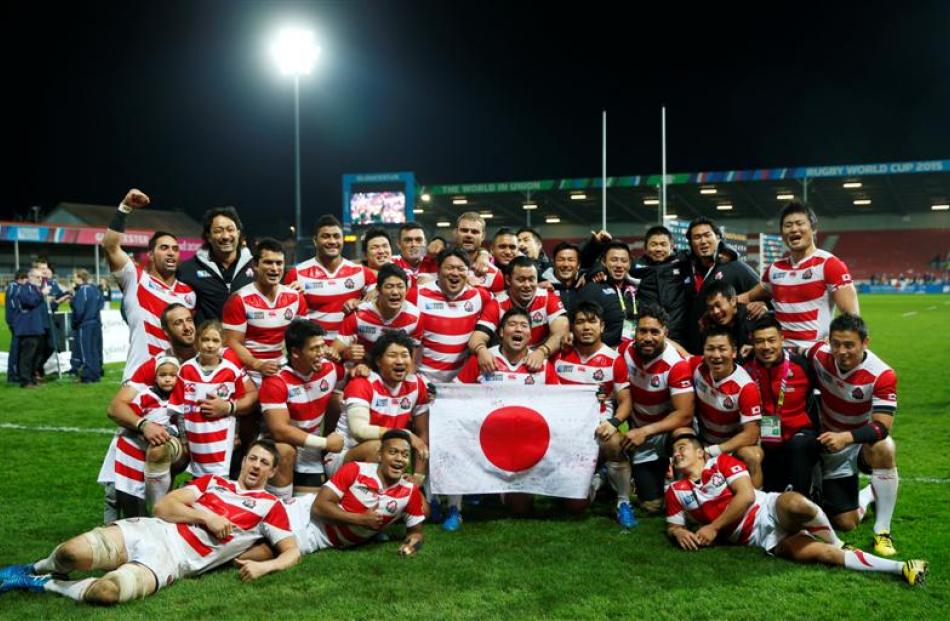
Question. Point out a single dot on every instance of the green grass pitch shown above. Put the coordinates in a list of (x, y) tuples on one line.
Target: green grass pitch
[(505, 569)]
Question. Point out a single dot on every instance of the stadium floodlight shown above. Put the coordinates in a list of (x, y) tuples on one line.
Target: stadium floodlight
[(851, 185), (784, 197), (578, 196), (426, 198), (461, 200), (552, 219), (529, 206), (486, 215), (670, 216), (443, 224), (707, 190), (941, 207), (418, 210), (724, 207), (862, 201), (651, 201), (295, 51)]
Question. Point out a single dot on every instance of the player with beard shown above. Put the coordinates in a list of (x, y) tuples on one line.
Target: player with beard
[(661, 385), (469, 236)]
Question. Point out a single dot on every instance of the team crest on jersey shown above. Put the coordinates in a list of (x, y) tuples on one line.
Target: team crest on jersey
[(324, 385), (857, 393), (222, 391), (717, 480), (391, 506), (348, 283), (289, 314), (249, 272), (250, 503), (728, 402), (537, 317), (469, 307), (529, 379), (718, 275), (598, 375), (655, 381), (807, 274), (405, 403)]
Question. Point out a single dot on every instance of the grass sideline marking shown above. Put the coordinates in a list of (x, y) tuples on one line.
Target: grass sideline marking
[(909, 314), (100, 430)]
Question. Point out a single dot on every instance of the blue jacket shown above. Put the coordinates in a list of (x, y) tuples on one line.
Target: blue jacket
[(87, 302), (30, 311), (11, 302)]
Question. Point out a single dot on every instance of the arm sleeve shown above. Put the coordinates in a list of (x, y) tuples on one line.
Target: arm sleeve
[(554, 307), (273, 393), (422, 400), (276, 524), (176, 401), (766, 279), (731, 468), (750, 404), (79, 305), (358, 397), (370, 279), (621, 374), (415, 513), (469, 372), (674, 510), (551, 377), (884, 396), (290, 276), (347, 333), (302, 308), (233, 316), (680, 378), (836, 274), (343, 479), (490, 316), (126, 276)]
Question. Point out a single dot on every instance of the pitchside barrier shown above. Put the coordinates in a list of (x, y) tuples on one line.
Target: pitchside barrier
[(864, 288)]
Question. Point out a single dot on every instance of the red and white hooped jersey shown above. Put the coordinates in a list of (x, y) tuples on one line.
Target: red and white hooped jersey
[(724, 406), (848, 399), (706, 499), (305, 398), (129, 450), (210, 440), (654, 382), (605, 368), (391, 408), (262, 321), (365, 325), (326, 292), (255, 515), (493, 280), (543, 309), (447, 326), (360, 490), (801, 295), (507, 373), (144, 297), (426, 266)]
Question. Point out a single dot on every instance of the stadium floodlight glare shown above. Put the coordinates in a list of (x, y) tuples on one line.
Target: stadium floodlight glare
[(461, 200), (552, 219), (651, 201), (670, 216), (529, 206), (784, 197), (851, 185), (443, 224), (707, 190), (418, 210), (578, 196), (295, 51), (862, 201), (426, 198), (941, 207), (724, 207), (486, 215)]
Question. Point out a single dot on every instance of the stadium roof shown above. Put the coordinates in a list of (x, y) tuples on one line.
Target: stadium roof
[(80, 214), (840, 190)]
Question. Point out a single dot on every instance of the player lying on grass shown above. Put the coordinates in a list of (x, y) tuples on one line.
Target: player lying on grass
[(208, 522), (717, 493), (358, 502)]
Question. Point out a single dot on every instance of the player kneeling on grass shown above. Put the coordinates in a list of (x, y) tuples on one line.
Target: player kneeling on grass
[(358, 502), (191, 534), (392, 397), (717, 493), (294, 402)]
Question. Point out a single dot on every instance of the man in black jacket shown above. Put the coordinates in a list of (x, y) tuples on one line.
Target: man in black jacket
[(662, 273), (710, 260), (221, 266), (566, 273), (615, 293)]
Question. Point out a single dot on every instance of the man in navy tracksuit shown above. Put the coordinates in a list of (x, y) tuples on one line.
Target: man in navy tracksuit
[(13, 375), (87, 327), (29, 326)]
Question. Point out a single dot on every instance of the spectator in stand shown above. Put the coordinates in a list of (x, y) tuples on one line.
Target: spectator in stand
[(87, 327), (28, 326), (221, 266), (660, 272)]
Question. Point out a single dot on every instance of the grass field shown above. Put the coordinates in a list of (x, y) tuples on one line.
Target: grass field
[(504, 569)]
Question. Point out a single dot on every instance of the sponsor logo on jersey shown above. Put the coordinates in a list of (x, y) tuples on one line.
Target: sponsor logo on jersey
[(777, 275), (846, 278), (468, 307), (690, 500), (434, 305), (296, 391), (655, 381), (289, 314), (380, 402), (366, 329), (598, 375), (203, 274), (729, 403), (311, 285), (250, 503), (564, 368), (324, 385), (405, 403), (857, 393), (252, 315), (348, 283), (222, 391)]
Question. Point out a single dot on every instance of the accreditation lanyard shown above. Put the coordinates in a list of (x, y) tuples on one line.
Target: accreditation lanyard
[(628, 328), (771, 425)]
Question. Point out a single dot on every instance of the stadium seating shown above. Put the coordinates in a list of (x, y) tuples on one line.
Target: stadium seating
[(891, 252)]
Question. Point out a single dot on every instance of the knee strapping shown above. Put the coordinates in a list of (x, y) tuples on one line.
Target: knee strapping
[(159, 461), (133, 580), (106, 554)]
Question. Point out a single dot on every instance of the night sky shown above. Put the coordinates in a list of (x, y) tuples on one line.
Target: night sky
[(182, 100)]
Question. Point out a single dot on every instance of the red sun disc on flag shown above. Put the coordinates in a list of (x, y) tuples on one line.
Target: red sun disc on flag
[(514, 438)]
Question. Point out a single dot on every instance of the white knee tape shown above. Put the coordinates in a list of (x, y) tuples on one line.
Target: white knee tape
[(134, 581), (166, 456), (106, 554)]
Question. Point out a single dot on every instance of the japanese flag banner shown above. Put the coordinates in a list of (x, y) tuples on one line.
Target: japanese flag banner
[(488, 439)]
